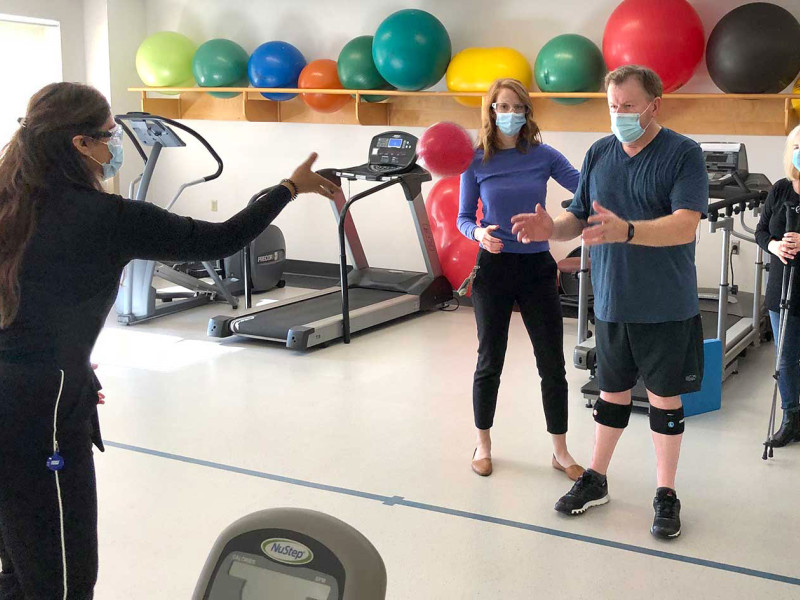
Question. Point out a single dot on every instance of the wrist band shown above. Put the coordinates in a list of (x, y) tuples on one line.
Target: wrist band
[(293, 188)]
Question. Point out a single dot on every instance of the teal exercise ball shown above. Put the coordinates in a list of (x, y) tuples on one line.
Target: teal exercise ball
[(221, 63), (570, 63), (411, 49), (357, 70)]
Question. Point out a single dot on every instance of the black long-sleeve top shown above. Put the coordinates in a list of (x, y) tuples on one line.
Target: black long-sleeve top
[(772, 226), (72, 266)]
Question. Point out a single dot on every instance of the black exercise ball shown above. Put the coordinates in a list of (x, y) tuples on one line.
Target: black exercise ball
[(754, 49)]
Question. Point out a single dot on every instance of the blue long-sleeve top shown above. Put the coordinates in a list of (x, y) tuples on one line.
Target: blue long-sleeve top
[(509, 183)]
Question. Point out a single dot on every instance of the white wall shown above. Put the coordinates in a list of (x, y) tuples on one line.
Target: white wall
[(258, 154)]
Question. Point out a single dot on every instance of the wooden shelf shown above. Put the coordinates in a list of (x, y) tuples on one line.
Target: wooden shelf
[(733, 114)]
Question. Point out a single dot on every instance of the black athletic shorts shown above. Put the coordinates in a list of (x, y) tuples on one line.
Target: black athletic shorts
[(668, 356)]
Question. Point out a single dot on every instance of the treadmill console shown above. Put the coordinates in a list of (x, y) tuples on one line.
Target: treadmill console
[(390, 153), (725, 162)]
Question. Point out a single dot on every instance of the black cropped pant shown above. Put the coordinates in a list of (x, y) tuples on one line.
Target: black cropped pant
[(529, 280)]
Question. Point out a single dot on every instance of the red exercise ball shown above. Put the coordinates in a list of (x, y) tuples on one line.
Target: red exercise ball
[(322, 74), (457, 254), (445, 149), (458, 258), (665, 35)]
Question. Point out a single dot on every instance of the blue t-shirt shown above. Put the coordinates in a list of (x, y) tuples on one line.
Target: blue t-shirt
[(509, 183), (642, 284)]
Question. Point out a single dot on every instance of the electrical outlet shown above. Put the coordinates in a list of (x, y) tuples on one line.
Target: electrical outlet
[(215, 207), (734, 247)]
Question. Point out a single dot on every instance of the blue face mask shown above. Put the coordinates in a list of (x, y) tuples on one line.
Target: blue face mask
[(510, 123), (111, 168), (626, 126), (796, 159)]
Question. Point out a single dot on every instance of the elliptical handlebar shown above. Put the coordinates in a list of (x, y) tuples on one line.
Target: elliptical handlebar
[(143, 116), (736, 204)]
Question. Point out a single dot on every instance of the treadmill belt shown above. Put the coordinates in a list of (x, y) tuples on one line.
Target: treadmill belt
[(275, 323), (709, 319)]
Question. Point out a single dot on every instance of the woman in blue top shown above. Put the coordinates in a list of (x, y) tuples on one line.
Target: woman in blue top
[(509, 173)]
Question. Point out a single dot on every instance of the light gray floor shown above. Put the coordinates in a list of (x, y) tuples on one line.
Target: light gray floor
[(391, 415)]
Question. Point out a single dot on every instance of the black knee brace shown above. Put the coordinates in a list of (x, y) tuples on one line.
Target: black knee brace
[(668, 422), (612, 415)]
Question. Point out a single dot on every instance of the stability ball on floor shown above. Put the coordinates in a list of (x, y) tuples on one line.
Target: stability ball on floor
[(357, 69), (754, 49), (475, 69), (220, 63), (276, 65), (164, 59), (664, 35), (457, 254), (570, 63), (321, 74), (411, 49)]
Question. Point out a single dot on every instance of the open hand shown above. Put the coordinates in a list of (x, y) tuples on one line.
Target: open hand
[(308, 182), (604, 227), (487, 240), (532, 227)]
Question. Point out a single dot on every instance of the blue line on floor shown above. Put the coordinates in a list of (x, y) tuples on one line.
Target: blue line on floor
[(400, 501)]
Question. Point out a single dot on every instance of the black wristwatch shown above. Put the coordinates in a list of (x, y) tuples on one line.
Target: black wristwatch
[(630, 232)]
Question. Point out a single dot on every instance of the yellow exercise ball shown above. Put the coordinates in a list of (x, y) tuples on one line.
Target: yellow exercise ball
[(475, 69), (796, 103)]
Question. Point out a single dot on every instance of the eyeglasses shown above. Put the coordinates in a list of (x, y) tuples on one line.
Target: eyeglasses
[(503, 107), (114, 135)]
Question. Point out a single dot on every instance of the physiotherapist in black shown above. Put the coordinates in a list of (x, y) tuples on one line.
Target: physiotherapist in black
[(63, 246)]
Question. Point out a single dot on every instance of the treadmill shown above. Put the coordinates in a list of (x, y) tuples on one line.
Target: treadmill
[(366, 296), (737, 319)]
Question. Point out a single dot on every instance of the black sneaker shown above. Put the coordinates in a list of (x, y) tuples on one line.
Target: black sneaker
[(591, 489), (667, 522)]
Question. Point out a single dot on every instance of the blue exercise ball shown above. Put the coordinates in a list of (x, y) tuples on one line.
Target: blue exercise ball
[(275, 65), (411, 49)]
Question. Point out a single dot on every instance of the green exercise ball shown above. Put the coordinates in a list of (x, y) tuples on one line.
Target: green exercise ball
[(357, 69), (411, 49), (221, 63), (164, 59), (570, 63)]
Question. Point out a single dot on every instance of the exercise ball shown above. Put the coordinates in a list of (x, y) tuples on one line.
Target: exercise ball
[(442, 207), (321, 74), (754, 49), (220, 63), (445, 149), (458, 259), (570, 63), (796, 103), (664, 35), (164, 59), (357, 70), (275, 65), (411, 49), (475, 69)]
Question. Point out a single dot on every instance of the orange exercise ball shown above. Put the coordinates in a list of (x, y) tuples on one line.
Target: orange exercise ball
[(322, 74)]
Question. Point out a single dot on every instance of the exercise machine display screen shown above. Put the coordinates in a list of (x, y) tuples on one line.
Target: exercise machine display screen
[(265, 584), (393, 150)]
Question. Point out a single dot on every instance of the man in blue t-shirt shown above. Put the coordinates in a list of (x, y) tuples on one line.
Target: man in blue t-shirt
[(640, 199)]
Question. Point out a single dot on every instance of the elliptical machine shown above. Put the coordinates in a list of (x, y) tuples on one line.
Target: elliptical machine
[(137, 299), (792, 225)]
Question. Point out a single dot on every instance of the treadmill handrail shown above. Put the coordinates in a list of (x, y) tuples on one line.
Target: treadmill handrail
[(143, 116), (343, 252)]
